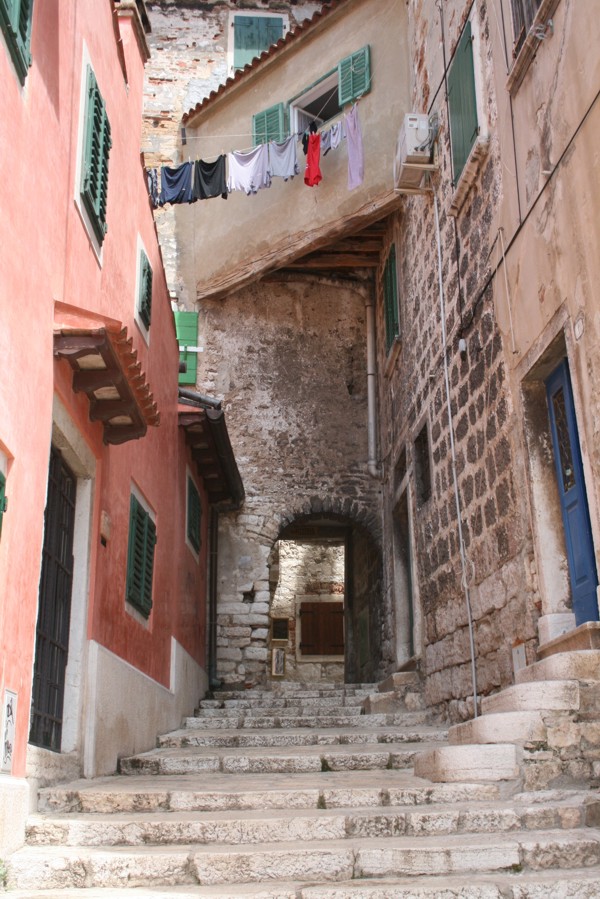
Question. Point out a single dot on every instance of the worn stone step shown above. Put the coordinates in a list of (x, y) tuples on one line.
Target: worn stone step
[(469, 763), (397, 788), (233, 827), (581, 665), (61, 867), (399, 680), (393, 701), (286, 712), (286, 688), (264, 760), (557, 695), (498, 727), (402, 719), (301, 737), (288, 702)]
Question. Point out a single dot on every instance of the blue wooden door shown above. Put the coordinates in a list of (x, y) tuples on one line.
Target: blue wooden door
[(573, 499)]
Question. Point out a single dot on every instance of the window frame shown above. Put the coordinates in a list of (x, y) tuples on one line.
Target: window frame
[(523, 16), (3, 498), (144, 281), (250, 14), (16, 27), (391, 299), (142, 530), (193, 511)]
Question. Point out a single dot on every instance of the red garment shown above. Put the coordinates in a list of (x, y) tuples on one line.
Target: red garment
[(313, 175)]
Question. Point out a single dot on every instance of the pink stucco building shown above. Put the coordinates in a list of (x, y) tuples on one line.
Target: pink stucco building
[(103, 549)]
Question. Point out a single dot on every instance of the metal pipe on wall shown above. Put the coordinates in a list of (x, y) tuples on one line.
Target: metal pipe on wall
[(373, 466)]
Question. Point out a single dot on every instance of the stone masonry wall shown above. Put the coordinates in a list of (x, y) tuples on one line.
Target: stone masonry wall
[(188, 46), (493, 494), (289, 359)]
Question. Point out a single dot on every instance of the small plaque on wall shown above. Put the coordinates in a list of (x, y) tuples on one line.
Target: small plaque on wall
[(9, 716), (278, 663)]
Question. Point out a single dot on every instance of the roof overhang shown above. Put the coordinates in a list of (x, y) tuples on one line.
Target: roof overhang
[(106, 368), (206, 435)]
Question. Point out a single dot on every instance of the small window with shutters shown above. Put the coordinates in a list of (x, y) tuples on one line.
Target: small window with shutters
[(3, 499), (193, 516), (253, 34), (144, 298), (462, 101), (140, 557), (322, 628), (186, 328), (15, 22), (271, 124), (96, 151)]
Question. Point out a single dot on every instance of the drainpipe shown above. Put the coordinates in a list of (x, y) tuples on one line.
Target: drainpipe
[(373, 466), (213, 551)]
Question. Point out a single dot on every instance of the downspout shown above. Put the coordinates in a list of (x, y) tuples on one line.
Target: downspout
[(213, 553), (373, 466)]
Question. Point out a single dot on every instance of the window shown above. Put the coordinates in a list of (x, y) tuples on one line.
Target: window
[(272, 124), (144, 301), (326, 98), (15, 21), (462, 100), (96, 149), (322, 628), (422, 467), (390, 299), (3, 498), (252, 35), (140, 557), (523, 14), (194, 516), (186, 327), (280, 629)]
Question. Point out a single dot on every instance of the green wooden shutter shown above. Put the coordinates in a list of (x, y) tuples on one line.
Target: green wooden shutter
[(354, 76), (15, 21), (270, 124), (186, 327), (145, 290), (97, 144), (3, 498), (462, 101), (140, 557), (390, 299), (194, 515), (252, 35)]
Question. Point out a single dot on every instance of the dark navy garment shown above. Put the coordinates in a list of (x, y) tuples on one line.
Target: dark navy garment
[(210, 180), (177, 184)]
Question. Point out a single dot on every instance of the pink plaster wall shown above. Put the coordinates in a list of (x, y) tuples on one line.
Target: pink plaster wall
[(46, 256)]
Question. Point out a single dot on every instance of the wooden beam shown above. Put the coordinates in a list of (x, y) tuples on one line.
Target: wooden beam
[(334, 260), (87, 381)]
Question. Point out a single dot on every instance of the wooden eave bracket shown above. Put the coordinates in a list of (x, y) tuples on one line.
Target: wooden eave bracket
[(106, 368), (206, 435)]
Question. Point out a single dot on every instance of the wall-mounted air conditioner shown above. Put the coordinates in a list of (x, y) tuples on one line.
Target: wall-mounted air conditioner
[(413, 150)]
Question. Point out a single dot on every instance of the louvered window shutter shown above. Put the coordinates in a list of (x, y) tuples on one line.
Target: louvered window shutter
[(309, 639), (390, 299), (270, 124), (140, 557), (354, 76), (194, 515), (15, 21), (3, 499), (462, 101), (332, 628), (97, 144), (145, 290), (252, 35), (186, 327)]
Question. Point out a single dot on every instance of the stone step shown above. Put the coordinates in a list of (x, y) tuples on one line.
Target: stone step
[(288, 702), (63, 867), (232, 721), (581, 665), (291, 688), (398, 788), (230, 827), (555, 695), (399, 680), (577, 883), (498, 727), (263, 760), (301, 737), (480, 763), (393, 701), (285, 712)]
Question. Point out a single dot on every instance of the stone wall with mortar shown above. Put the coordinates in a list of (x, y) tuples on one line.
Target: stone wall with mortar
[(288, 358), (500, 568), (188, 45)]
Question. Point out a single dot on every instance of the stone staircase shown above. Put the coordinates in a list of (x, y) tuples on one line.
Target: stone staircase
[(296, 793)]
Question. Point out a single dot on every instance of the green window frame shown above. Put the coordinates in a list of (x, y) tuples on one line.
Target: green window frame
[(15, 21), (145, 290), (252, 35), (186, 328), (354, 76), (462, 101), (194, 515), (271, 124), (390, 299), (140, 557), (96, 150), (3, 498)]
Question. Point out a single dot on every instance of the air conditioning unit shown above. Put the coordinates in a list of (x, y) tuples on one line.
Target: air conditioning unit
[(413, 148)]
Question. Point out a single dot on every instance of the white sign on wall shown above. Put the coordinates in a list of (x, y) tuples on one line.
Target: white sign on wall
[(9, 717)]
